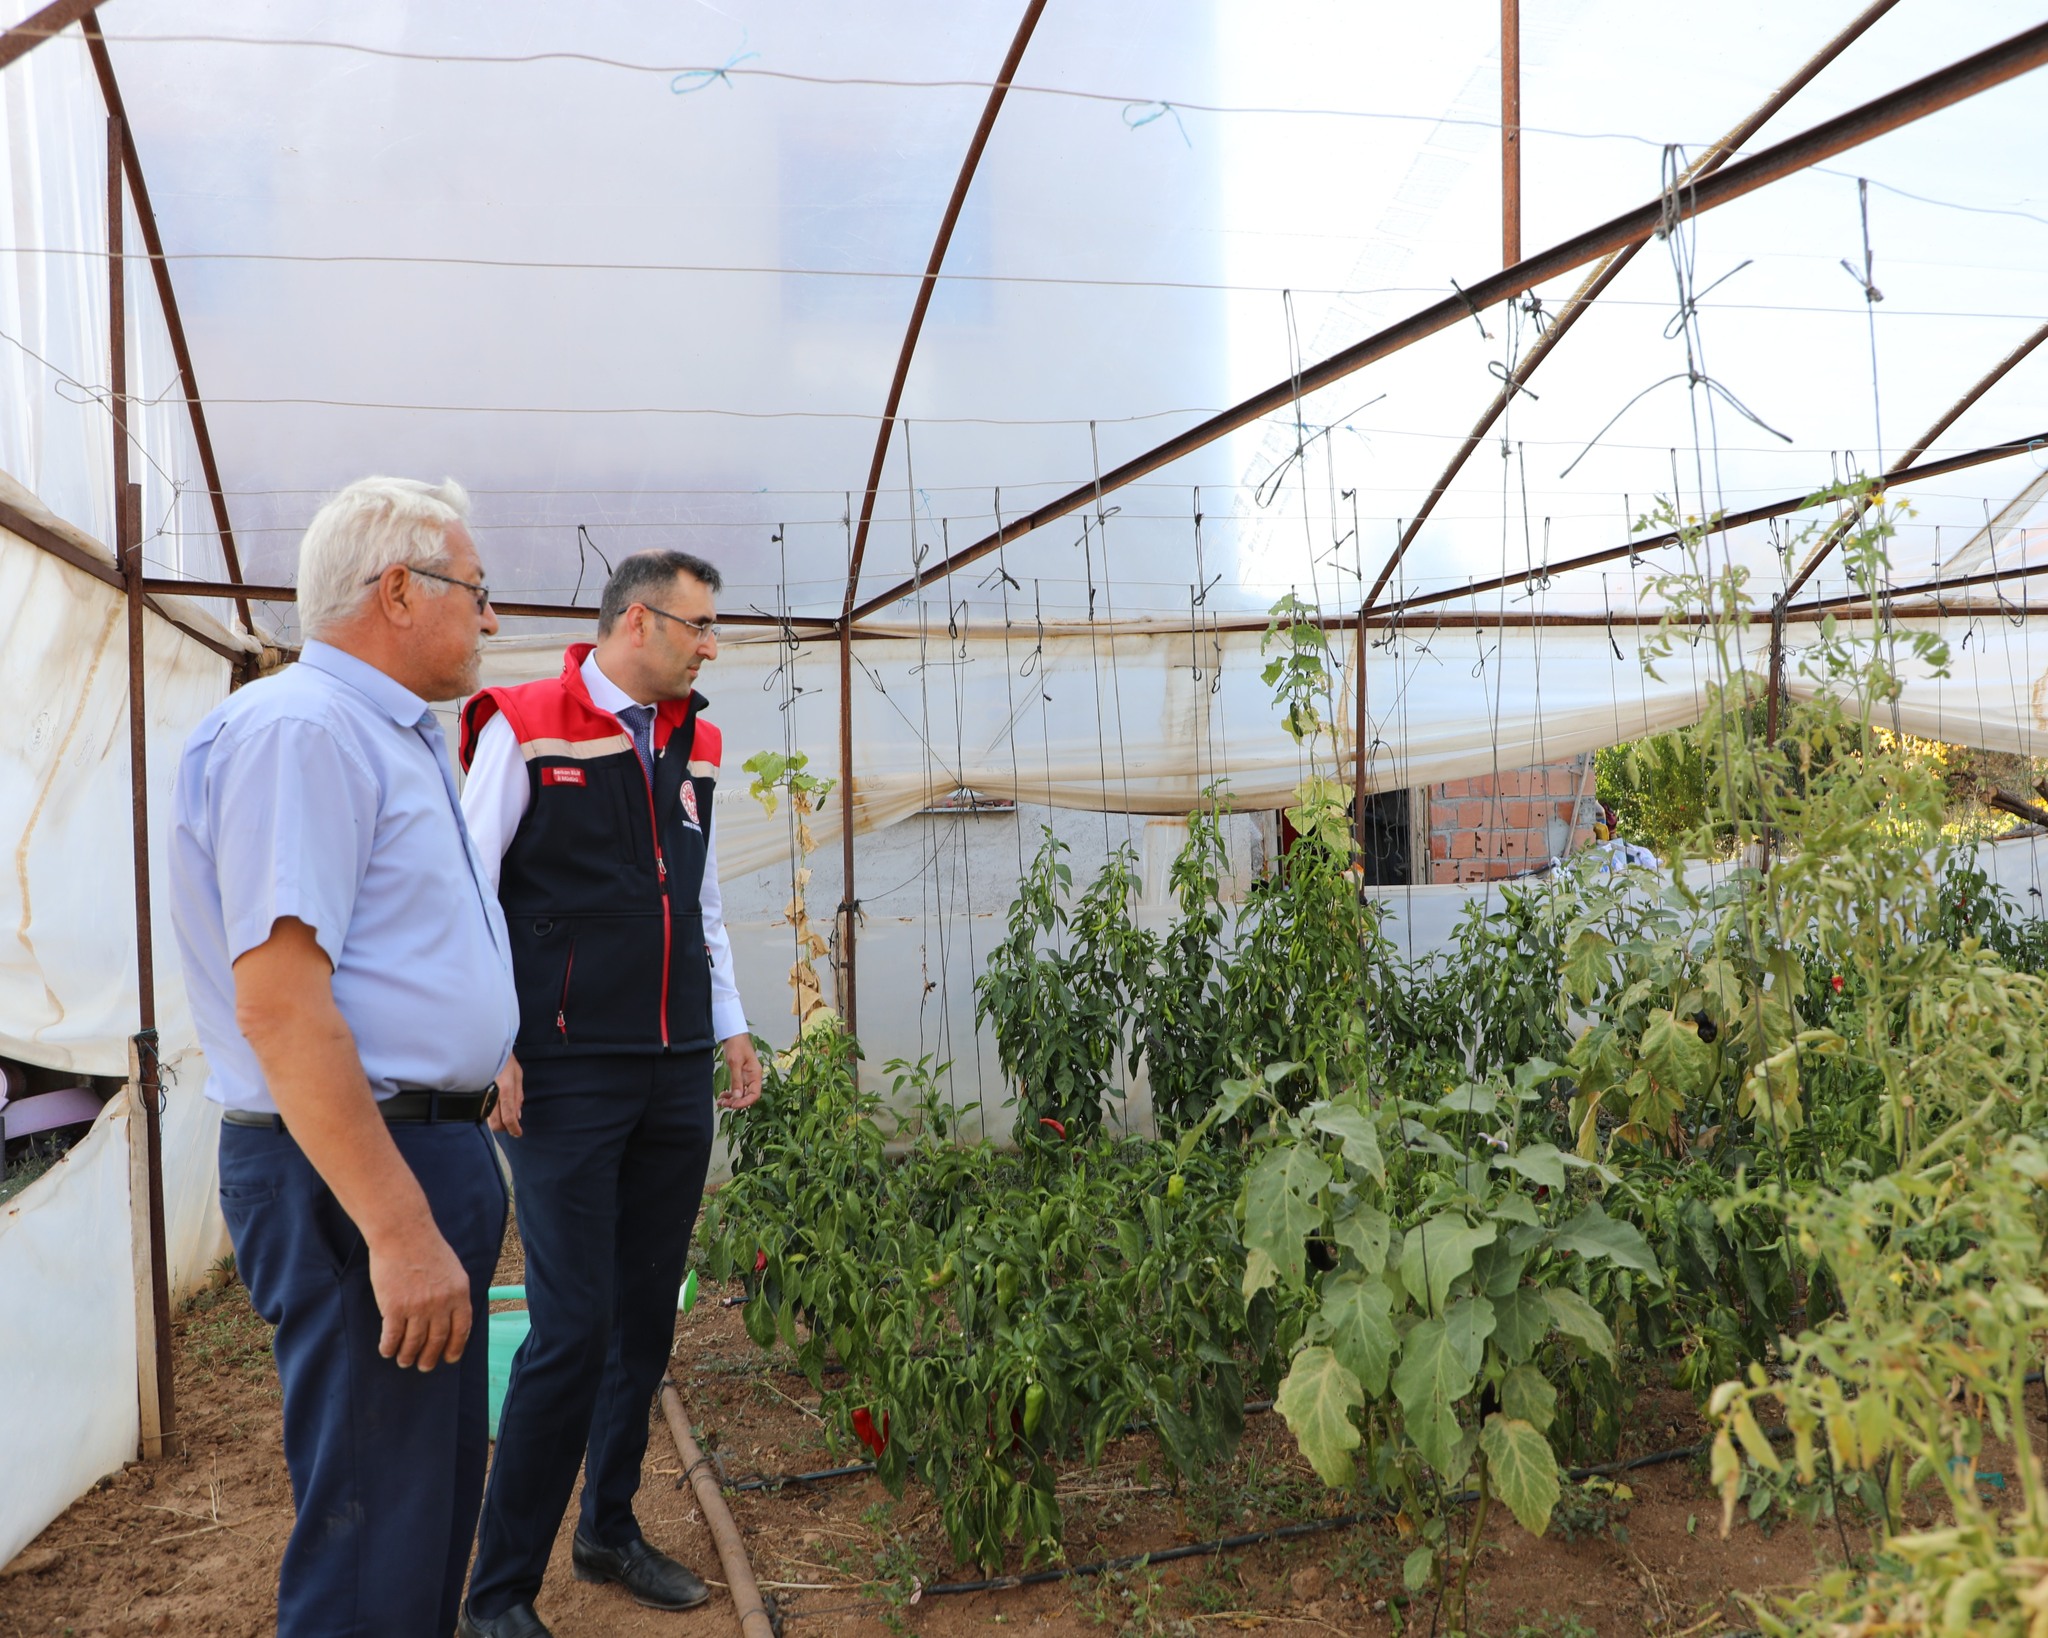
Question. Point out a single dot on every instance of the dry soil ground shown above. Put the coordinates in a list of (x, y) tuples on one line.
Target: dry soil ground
[(190, 1545)]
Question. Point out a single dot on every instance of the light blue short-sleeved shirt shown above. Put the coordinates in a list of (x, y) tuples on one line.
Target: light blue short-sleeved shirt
[(324, 792)]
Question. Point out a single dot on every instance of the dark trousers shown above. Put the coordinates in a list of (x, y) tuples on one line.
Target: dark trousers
[(607, 1176), (387, 1465)]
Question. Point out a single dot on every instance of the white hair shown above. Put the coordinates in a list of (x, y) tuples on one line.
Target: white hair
[(364, 530)]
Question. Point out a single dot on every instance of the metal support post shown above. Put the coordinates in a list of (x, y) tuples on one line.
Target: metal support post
[(1510, 132), (153, 1341), (849, 901)]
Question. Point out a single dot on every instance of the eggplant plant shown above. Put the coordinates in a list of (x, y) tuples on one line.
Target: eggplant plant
[(1434, 1266)]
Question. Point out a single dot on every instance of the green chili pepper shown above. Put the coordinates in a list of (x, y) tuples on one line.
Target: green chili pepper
[(1176, 1186), (1006, 1285), (940, 1278), (1034, 1408)]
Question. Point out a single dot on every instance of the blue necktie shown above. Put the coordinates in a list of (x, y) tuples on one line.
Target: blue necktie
[(639, 721)]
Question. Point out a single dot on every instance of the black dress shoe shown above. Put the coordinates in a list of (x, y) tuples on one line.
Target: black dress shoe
[(653, 1578), (517, 1622)]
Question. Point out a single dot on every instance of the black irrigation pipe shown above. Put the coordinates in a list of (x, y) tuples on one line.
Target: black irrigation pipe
[(1279, 1532), (1342, 1521)]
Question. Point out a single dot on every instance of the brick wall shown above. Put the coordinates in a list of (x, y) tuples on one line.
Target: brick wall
[(1509, 823)]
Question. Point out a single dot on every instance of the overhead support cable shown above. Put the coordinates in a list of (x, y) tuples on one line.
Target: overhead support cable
[(961, 184), (1720, 523), (1841, 529), (1927, 95), (167, 300), (1607, 272), (46, 24)]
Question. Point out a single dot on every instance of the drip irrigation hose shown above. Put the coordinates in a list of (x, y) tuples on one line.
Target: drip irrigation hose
[(1280, 1532)]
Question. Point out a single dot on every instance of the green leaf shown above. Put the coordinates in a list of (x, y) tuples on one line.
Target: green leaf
[(1522, 1320), (1588, 963), (1280, 1210), (1522, 1468), (1354, 1128), (1674, 1054), (1439, 1365), (1364, 1231), (1518, 1209), (1417, 1568), (1439, 1251), (1357, 1322), (1316, 1402), (1723, 989), (1580, 1320), (1260, 1271), (1538, 1162), (1527, 1396), (1473, 1098), (1594, 1234)]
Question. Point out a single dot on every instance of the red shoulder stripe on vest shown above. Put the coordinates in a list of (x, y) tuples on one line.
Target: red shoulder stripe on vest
[(476, 714), (708, 745)]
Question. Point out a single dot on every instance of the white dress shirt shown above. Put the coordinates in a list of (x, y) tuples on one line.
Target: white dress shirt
[(494, 800)]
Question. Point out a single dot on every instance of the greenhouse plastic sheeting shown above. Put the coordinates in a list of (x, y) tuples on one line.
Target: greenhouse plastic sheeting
[(1135, 721), (67, 916), (67, 1351), (1139, 721), (632, 270)]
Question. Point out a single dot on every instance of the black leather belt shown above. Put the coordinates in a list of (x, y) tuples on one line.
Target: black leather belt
[(400, 1109)]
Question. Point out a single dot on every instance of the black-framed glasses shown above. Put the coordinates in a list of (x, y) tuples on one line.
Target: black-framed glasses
[(476, 589), (703, 628)]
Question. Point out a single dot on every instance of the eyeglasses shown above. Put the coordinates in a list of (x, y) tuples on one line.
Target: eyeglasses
[(703, 628), (476, 589)]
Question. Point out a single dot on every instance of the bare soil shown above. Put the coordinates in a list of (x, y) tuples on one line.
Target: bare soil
[(190, 1545)]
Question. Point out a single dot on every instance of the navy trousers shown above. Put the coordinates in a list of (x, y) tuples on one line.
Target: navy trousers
[(387, 1465), (607, 1176)]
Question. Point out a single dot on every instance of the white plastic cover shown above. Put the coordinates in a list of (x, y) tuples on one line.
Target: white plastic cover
[(645, 271)]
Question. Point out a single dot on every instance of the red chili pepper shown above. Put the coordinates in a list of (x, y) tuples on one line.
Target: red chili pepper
[(1057, 1126), (864, 1430), (1836, 981), (760, 1261)]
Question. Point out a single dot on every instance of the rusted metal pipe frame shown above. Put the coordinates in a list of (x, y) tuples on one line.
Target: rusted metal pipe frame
[(48, 540), (1927, 95), (1510, 132), (1889, 599), (821, 624), (1720, 525), (167, 299), (1840, 531), (1775, 693), (46, 24), (732, 1551), (849, 900), (128, 549), (1358, 749), (929, 284), (1604, 275)]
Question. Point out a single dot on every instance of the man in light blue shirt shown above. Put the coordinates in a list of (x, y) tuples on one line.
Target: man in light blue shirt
[(351, 982)]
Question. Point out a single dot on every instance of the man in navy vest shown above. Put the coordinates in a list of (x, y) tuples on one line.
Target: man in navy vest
[(592, 793)]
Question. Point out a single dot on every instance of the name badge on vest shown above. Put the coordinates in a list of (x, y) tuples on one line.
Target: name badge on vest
[(690, 804), (561, 776)]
